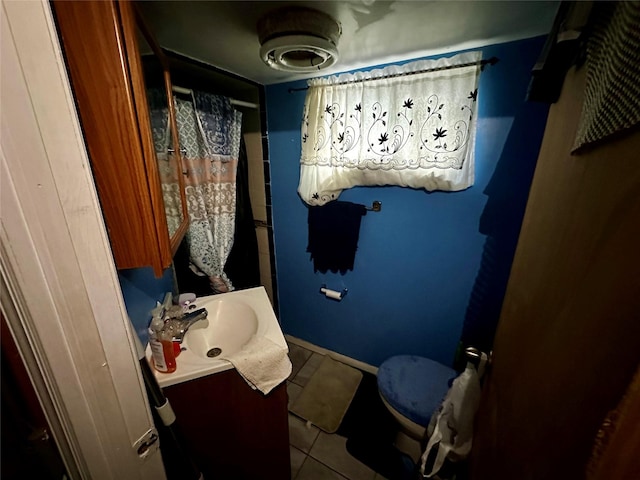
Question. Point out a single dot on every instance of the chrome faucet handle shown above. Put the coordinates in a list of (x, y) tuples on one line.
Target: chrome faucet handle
[(187, 321), (195, 315)]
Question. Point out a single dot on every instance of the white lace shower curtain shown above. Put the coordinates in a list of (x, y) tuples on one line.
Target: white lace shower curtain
[(210, 130), (398, 127)]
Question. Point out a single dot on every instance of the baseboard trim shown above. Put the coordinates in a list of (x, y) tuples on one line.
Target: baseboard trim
[(352, 362)]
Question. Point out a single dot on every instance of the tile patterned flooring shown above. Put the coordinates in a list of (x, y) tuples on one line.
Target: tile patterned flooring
[(316, 455)]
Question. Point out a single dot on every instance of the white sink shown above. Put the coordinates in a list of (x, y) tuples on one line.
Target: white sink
[(231, 324), (233, 318)]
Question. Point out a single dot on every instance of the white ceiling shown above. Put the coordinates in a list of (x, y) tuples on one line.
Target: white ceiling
[(374, 32)]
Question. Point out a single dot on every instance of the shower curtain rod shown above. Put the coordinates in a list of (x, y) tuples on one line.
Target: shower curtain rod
[(238, 103), (482, 63)]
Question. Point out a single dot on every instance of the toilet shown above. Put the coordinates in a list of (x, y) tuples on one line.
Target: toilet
[(412, 388)]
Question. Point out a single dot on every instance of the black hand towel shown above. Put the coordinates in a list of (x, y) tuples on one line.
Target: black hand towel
[(334, 229)]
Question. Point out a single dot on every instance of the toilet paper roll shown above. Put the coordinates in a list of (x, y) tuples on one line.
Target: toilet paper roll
[(331, 294)]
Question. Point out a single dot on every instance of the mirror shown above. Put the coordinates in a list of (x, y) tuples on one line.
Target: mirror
[(157, 83)]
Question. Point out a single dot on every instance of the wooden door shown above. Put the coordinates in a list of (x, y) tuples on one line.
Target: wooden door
[(568, 340)]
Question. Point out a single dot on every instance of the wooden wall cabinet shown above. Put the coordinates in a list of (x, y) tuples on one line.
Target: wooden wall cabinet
[(100, 43), (231, 431)]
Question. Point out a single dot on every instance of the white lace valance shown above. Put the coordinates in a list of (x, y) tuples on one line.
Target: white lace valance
[(396, 127)]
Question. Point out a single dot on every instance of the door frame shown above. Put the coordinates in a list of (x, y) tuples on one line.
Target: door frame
[(60, 292)]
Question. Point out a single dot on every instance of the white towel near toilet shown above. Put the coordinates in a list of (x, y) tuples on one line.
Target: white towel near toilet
[(263, 364)]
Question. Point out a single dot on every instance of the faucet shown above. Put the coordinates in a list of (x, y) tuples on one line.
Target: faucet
[(184, 323)]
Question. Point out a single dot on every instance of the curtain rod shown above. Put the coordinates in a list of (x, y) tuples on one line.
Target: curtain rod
[(238, 103), (482, 63)]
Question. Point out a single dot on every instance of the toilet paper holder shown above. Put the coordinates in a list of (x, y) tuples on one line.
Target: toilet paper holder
[(333, 294)]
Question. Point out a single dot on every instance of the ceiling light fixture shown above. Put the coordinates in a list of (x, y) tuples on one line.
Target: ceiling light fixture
[(298, 39)]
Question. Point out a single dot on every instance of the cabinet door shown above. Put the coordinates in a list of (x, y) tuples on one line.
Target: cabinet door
[(100, 46), (151, 83), (232, 431)]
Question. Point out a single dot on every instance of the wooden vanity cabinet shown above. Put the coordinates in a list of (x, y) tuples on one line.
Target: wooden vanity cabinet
[(231, 431), (99, 40)]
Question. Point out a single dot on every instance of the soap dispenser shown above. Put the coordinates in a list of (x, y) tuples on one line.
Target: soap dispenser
[(163, 355)]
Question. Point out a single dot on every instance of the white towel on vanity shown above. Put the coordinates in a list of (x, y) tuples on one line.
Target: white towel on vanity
[(262, 363)]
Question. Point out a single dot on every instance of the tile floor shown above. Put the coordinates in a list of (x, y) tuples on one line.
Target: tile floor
[(316, 455)]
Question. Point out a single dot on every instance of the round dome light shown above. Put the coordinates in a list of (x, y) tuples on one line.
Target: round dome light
[(299, 53), (298, 39)]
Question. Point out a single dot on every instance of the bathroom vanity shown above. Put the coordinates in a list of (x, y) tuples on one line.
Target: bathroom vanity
[(230, 430)]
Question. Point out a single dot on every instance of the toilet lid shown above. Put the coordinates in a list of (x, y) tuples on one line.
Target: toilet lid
[(414, 386)]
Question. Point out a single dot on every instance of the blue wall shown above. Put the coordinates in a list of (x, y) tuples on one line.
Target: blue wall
[(428, 264), (141, 290)]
